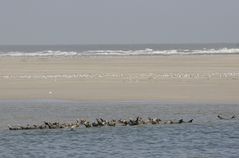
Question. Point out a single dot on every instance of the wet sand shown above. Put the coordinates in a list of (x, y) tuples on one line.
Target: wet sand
[(204, 78)]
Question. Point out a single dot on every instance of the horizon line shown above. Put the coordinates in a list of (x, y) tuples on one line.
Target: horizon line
[(75, 44)]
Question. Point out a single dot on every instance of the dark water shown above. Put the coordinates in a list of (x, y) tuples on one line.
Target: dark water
[(206, 137)]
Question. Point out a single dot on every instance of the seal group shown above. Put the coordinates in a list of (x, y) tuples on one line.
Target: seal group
[(99, 122)]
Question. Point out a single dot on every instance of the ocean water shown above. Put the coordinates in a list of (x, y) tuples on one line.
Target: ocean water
[(207, 136), (119, 50)]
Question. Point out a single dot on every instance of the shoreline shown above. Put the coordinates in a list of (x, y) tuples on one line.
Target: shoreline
[(187, 78)]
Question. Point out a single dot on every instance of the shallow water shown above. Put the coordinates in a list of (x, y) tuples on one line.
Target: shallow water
[(206, 137)]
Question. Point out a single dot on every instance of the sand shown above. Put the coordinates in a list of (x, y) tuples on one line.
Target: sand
[(202, 78)]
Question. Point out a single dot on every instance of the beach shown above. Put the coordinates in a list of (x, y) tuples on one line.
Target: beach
[(176, 78)]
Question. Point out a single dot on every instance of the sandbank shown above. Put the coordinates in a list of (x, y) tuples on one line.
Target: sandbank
[(193, 78)]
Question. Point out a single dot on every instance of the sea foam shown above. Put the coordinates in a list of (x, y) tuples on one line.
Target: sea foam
[(146, 51)]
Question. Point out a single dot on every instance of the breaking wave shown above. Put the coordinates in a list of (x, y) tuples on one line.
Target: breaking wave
[(147, 51)]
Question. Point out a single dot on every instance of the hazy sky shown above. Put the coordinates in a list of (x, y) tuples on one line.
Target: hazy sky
[(118, 21)]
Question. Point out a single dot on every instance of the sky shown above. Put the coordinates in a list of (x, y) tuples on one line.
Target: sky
[(118, 21)]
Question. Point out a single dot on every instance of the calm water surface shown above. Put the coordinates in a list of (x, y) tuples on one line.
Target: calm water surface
[(206, 137)]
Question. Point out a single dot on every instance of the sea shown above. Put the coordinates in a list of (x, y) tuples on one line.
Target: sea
[(206, 137), (119, 49)]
